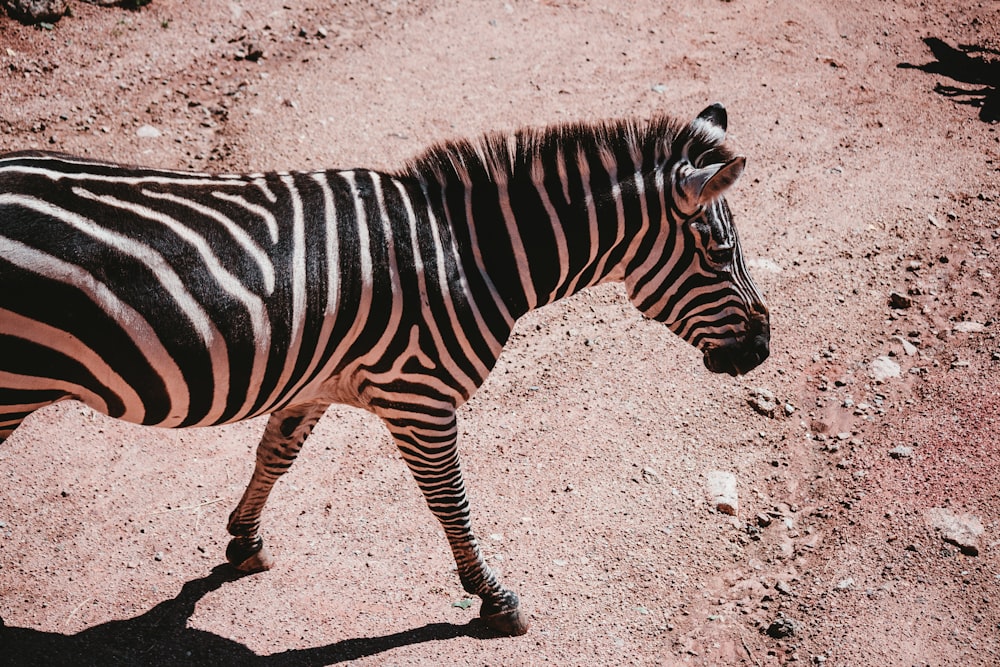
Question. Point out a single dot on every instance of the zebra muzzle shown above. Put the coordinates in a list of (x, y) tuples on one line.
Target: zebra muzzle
[(742, 355)]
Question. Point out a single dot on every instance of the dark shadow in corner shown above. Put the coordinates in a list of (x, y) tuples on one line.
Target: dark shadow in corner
[(161, 637), (957, 64)]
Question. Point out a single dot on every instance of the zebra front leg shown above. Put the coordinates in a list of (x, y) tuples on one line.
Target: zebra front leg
[(428, 443), (286, 430)]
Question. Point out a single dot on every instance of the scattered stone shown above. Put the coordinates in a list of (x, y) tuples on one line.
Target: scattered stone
[(721, 489), (158, 556), (914, 266), (650, 476), (901, 452), (844, 584), (962, 530), (968, 327), (883, 368), (934, 221), (148, 132), (764, 402), (783, 588), (37, 11), (763, 519), (909, 349), (781, 628), (899, 301), (959, 364)]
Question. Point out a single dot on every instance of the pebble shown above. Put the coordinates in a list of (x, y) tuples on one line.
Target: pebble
[(883, 368), (781, 628), (968, 327), (148, 132), (721, 489), (901, 452), (962, 530), (37, 11), (650, 476), (763, 406), (764, 402), (909, 349)]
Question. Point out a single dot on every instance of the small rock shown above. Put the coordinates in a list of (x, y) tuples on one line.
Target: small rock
[(962, 530), (764, 402), (147, 132), (763, 406), (909, 349), (899, 301), (721, 489), (914, 266), (781, 628), (883, 368), (651, 476), (968, 327), (158, 556), (763, 519), (37, 11), (844, 584), (901, 452)]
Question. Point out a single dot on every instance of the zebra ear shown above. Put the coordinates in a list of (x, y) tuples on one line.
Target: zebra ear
[(704, 185), (715, 114)]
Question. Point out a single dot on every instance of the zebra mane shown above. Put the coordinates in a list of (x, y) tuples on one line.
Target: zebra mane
[(501, 157)]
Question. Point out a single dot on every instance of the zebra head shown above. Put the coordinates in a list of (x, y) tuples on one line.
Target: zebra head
[(694, 278)]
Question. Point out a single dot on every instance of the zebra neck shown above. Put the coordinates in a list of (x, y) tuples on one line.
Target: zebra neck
[(539, 239)]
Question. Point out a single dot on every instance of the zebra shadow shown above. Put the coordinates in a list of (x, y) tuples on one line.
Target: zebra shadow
[(957, 64), (161, 637)]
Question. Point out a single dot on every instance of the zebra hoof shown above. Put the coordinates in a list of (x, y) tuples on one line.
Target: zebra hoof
[(249, 557), (507, 620)]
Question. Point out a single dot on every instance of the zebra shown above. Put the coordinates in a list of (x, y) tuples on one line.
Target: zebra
[(182, 299)]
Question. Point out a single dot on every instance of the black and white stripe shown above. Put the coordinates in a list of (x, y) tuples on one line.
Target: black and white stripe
[(182, 299)]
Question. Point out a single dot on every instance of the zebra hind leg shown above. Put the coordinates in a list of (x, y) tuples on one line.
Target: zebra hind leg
[(428, 443), (286, 430)]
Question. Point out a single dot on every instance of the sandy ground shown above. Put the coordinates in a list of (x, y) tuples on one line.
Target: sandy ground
[(588, 449)]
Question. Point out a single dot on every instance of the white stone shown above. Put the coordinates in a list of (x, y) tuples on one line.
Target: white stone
[(883, 368), (962, 530), (969, 327), (721, 489), (148, 132)]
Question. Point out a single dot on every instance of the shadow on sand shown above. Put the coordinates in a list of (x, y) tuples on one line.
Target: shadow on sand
[(161, 637), (977, 71)]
